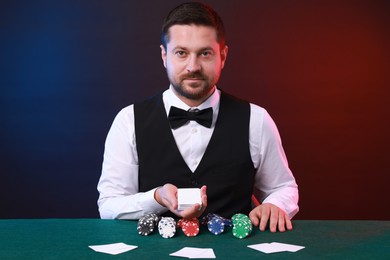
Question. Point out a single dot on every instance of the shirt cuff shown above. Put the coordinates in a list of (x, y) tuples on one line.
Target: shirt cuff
[(148, 202)]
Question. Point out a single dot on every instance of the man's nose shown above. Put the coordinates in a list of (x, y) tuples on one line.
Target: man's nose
[(193, 64)]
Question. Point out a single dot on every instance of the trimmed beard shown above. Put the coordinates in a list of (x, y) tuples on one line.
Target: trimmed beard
[(204, 90)]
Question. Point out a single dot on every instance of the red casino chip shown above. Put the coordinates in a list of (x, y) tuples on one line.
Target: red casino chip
[(190, 227)]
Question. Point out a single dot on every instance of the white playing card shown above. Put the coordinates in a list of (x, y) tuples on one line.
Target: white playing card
[(187, 197)]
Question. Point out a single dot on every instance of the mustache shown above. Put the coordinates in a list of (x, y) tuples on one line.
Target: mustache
[(194, 75)]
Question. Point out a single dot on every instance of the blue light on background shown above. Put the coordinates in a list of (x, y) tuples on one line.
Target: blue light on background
[(58, 62)]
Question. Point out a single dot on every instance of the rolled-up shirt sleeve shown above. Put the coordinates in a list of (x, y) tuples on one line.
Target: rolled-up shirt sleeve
[(274, 181), (119, 196)]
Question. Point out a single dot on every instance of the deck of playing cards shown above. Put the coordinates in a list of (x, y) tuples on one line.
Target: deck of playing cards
[(187, 197)]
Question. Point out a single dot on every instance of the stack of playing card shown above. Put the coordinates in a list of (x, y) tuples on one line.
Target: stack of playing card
[(187, 197)]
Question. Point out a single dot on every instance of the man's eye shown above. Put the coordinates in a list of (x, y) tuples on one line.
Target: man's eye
[(206, 53), (180, 53)]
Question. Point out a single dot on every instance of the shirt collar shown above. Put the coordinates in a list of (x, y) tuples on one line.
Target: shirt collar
[(170, 99)]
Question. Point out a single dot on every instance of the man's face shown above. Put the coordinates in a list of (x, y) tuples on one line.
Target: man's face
[(193, 60)]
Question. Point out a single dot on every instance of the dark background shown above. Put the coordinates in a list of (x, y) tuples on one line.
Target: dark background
[(321, 69)]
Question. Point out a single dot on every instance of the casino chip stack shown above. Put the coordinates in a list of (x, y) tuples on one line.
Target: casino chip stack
[(167, 227), (215, 223), (190, 227), (147, 223), (242, 225)]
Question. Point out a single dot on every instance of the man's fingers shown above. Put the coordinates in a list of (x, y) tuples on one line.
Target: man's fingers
[(273, 219), (203, 195), (268, 214), (264, 218), (254, 215), (203, 189), (167, 196), (281, 223), (194, 211), (289, 224)]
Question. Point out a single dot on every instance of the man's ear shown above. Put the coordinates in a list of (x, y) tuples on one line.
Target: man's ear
[(224, 53), (163, 55)]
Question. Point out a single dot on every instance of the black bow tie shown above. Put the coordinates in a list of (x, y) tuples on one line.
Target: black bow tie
[(178, 117)]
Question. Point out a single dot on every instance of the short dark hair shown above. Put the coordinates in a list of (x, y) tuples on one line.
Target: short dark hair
[(193, 13)]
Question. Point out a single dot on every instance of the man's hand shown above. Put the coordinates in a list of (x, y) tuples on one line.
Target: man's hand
[(267, 212), (167, 197)]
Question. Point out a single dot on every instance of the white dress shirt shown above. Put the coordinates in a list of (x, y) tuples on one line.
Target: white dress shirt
[(118, 184)]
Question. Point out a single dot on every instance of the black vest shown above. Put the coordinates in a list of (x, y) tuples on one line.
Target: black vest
[(226, 167)]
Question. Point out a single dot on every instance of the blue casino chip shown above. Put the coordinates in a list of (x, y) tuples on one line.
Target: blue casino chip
[(216, 226)]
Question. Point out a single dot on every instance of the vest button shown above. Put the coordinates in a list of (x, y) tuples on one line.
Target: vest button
[(194, 183)]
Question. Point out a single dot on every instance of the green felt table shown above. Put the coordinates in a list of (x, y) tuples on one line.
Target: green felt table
[(70, 238)]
